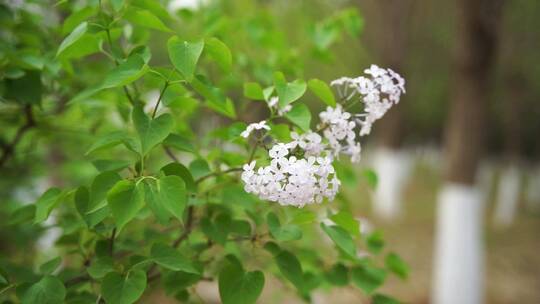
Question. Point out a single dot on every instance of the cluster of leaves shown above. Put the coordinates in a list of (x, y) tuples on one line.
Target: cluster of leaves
[(162, 206)]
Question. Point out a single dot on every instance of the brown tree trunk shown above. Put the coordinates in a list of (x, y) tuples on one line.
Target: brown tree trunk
[(477, 22), (390, 30)]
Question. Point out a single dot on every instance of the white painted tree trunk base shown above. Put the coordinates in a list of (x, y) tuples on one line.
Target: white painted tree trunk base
[(392, 168), (458, 261), (507, 197)]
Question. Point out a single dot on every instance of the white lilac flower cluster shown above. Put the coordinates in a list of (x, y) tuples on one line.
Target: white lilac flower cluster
[(378, 93), (301, 171), (292, 181)]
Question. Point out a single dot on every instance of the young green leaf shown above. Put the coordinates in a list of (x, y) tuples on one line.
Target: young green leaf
[(107, 141), (219, 52), (383, 299), (338, 275), (184, 55), (323, 91), (45, 203), (73, 37), (180, 170), (300, 116), (288, 92), (127, 72), (101, 184), (395, 264), (82, 203), (117, 289), (26, 89), (291, 268), (151, 131), (100, 267), (346, 221), (239, 287), (375, 242), (179, 142), (341, 238), (368, 278), (172, 195), (170, 258), (282, 233), (125, 200), (48, 290), (145, 18), (253, 90), (50, 266)]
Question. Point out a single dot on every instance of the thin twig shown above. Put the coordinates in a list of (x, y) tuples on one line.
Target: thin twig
[(202, 178), (159, 98), (10, 148), (187, 229), (111, 242)]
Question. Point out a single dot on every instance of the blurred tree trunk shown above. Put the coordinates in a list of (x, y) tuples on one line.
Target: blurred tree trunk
[(510, 181), (390, 31), (458, 272)]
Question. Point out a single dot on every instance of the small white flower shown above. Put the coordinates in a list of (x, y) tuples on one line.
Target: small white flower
[(254, 126)]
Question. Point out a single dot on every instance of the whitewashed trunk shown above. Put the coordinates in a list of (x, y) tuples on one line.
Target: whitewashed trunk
[(507, 196), (392, 168), (458, 261)]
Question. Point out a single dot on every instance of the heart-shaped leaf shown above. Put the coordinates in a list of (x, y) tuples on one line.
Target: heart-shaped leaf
[(125, 200), (172, 195), (73, 37), (48, 290), (282, 233), (237, 286), (151, 131), (117, 289), (341, 238), (288, 91), (323, 91), (46, 203), (219, 52), (184, 55), (300, 116), (170, 258)]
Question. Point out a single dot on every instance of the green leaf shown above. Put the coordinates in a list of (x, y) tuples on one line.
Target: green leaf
[(282, 233), (110, 164), (127, 72), (341, 238), (125, 200), (75, 19), (101, 184), (82, 202), (371, 178), (73, 37), (323, 91), (117, 289), (237, 286), (25, 90), (170, 258), (48, 290), (107, 141), (50, 266), (146, 19), (395, 264), (300, 116), (219, 52), (346, 221), (253, 90), (199, 168), (100, 267), (45, 203), (288, 92), (383, 299), (215, 98), (173, 195), (151, 194), (183, 172), (179, 142), (184, 55), (375, 242), (151, 131), (290, 268), (338, 275), (368, 278)]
